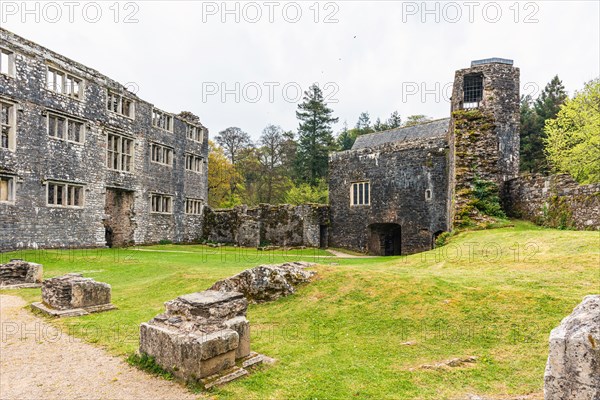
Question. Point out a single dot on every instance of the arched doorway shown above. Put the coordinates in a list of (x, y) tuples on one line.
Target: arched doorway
[(385, 239)]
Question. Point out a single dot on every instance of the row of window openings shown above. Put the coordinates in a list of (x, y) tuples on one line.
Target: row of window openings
[(163, 204), (70, 195), (69, 85), (360, 194)]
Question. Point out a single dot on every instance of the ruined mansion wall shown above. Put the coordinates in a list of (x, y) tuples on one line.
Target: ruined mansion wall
[(555, 201), (112, 201), (281, 225)]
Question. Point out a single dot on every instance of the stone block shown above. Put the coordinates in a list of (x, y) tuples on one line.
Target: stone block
[(242, 327), (208, 305), (19, 273), (190, 356), (573, 366), (72, 294)]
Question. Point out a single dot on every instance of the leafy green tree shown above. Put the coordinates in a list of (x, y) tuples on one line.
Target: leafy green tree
[(379, 126), (573, 137), (412, 120), (270, 156), (315, 136), (305, 193), (533, 118)]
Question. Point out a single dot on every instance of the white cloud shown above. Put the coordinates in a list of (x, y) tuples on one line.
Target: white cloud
[(369, 54)]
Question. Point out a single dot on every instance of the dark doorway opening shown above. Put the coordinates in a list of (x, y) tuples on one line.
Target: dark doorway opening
[(323, 236), (385, 239), (118, 225), (434, 239)]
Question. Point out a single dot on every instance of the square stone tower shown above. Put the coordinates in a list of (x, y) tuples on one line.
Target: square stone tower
[(484, 132)]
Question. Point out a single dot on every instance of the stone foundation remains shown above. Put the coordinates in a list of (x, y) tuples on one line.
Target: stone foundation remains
[(18, 274), (573, 367), (73, 295), (267, 282), (202, 337)]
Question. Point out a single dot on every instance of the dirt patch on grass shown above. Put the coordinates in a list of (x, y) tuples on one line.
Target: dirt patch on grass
[(38, 361)]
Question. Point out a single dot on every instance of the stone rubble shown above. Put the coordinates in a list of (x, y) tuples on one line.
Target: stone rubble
[(201, 338), (573, 366), (73, 295), (18, 274), (267, 282)]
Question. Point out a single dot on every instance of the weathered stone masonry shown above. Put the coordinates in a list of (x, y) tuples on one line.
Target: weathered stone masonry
[(556, 201), (115, 206)]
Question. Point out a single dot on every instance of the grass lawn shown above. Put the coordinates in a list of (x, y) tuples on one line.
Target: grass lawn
[(493, 294)]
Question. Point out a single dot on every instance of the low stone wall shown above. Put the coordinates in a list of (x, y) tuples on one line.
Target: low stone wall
[(282, 225), (555, 201)]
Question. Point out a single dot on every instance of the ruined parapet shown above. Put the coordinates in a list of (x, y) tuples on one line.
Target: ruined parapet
[(73, 295), (267, 282), (20, 274), (573, 367), (202, 337)]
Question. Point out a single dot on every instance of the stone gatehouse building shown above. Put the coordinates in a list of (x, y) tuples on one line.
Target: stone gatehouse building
[(394, 192), (84, 162)]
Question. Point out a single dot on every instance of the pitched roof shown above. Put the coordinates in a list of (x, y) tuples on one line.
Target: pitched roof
[(428, 130)]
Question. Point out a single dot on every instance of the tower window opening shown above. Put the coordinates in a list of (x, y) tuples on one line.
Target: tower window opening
[(472, 91)]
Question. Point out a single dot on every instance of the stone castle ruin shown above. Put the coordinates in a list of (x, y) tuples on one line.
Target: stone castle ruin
[(84, 162)]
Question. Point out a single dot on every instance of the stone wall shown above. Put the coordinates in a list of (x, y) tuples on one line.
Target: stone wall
[(555, 201), (282, 225), (27, 221), (399, 176)]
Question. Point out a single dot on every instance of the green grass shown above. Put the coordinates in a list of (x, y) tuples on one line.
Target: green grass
[(494, 294)]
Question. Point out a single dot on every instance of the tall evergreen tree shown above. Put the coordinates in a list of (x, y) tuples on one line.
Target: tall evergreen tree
[(533, 118), (345, 140), (394, 121), (363, 125), (315, 135)]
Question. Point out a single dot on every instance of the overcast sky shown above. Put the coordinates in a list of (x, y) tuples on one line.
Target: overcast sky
[(375, 56)]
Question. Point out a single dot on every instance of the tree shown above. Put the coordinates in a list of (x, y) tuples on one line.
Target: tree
[(394, 121), (379, 126), (221, 173), (315, 135), (305, 193), (233, 141), (533, 118), (270, 156), (573, 137), (363, 125), (345, 140), (412, 120)]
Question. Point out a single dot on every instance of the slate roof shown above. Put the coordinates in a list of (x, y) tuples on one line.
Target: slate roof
[(429, 130)]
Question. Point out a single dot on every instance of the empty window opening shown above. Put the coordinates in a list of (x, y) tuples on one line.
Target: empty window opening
[(7, 62), (7, 189), (360, 194), (8, 122), (428, 194), (119, 155), (119, 104), (193, 163), (65, 128), (162, 204), (195, 133), (472, 90), (162, 120), (64, 83), (161, 154), (193, 206), (64, 194)]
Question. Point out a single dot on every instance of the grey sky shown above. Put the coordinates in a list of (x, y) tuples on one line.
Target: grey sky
[(378, 56)]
